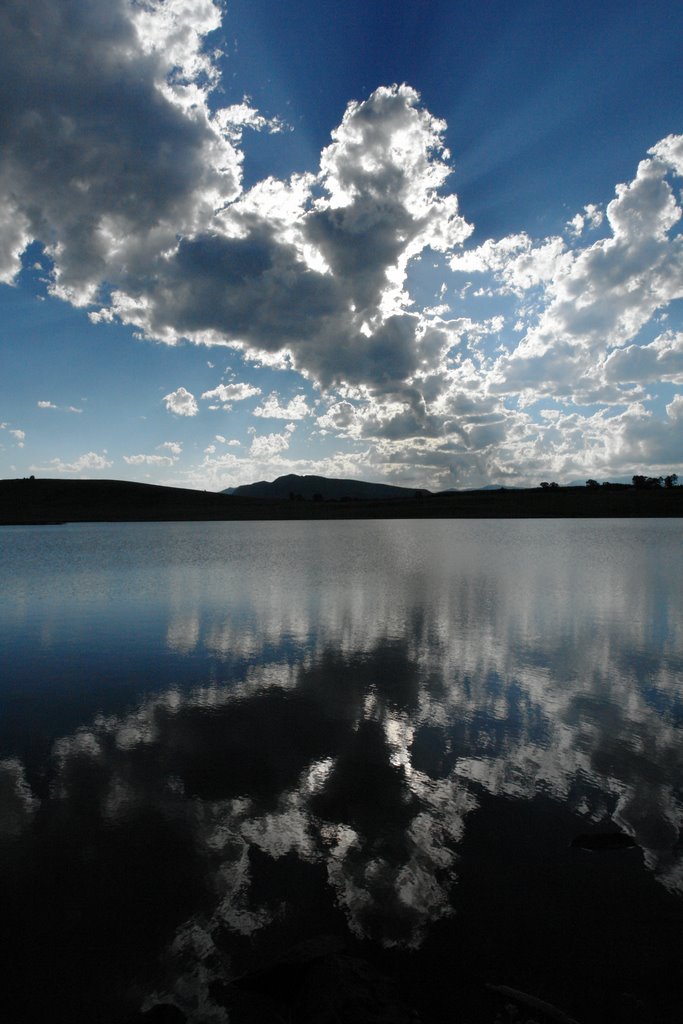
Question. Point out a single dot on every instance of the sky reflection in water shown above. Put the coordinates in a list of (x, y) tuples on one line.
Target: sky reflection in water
[(192, 707)]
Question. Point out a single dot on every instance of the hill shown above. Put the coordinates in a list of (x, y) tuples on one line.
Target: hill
[(58, 501), (326, 488), (24, 502)]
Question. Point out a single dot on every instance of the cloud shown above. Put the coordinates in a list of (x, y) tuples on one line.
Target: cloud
[(51, 405), (149, 460), (591, 218), (341, 418), (19, 436), (662, 359), (431, 396), (88, 82), (296, 408), (266, 446), (88, 461), (234, 119), (670, 152), (181, 402), (118, 158), (516, 260), (174, 447), (231, 392), (310, 269), (644, 441), (595, 299)]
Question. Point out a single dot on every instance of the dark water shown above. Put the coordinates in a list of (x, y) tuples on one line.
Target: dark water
[(221, 740)]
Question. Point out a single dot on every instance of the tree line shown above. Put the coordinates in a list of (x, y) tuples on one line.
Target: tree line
[(641, 483)]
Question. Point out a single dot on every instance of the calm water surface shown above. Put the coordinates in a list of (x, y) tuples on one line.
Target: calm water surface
[(218, 740)]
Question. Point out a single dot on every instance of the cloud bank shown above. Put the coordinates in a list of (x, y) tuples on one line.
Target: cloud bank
[(116, 158)]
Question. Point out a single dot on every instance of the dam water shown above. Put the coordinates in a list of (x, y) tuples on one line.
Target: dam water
[(389, 745)]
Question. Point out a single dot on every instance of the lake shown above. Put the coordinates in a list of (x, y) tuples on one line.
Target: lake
[(293, 770)]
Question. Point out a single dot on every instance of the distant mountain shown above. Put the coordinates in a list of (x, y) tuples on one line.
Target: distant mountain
[(307, 487), (487, 487)]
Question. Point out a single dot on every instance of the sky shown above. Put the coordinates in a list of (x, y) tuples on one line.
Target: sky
[(436, 244)]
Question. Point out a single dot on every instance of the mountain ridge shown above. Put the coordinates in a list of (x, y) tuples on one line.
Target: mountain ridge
[(308, 487)]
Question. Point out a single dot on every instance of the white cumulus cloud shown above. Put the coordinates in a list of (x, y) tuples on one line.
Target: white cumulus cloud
[(174, 447), (84, 463), (662, 360), (181, 402), (266, 446), (149, 460), (227, 393), (295, 409)]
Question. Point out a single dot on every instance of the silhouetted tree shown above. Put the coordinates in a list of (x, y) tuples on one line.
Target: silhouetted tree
[(647, 482), (549, 486), (671, 480), (592, 484)]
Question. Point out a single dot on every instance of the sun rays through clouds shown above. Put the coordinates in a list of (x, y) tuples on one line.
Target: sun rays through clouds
[(560, 354)]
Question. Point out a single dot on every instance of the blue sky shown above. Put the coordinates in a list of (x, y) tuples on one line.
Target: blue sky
[(436, 244)]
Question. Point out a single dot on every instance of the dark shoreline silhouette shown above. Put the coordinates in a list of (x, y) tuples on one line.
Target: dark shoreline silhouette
[(48, 501)]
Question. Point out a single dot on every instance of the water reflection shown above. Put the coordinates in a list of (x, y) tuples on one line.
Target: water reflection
[(353, 714)]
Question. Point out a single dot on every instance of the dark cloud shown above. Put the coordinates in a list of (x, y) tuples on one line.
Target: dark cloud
[(324, 282), (101, 161)]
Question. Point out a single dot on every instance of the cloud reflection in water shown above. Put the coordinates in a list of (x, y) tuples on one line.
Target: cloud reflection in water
[(353, 722)]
